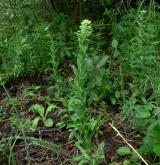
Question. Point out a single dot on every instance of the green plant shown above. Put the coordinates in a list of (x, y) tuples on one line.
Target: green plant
[(82, 126), (57, 56), (98, 79), (31, 91), (151, 142), (144, 116), (20, 126), (16, 121), (136, 43), (86, 157), (125, 162), (138, 38), (43, 115), (138, 112), (62, 48), (122, 151), (23, 45)]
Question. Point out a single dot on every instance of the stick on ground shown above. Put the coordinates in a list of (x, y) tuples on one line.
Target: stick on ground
[(119, 134)]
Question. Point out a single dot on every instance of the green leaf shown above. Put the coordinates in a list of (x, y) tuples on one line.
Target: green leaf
[(83, 151), (2, 147), (157, 112), (35, 123), (89, 64), (155, 132), (114, 163), (134, 156), (156, 149), (126, 162), (61, 124), (142, 113), (38, 108), (82, 161), (115, 44), (122, 151), (100, 152), (102, 61), (113, 100), (51, 107), (117, 95), (49, 122), (93, 123)]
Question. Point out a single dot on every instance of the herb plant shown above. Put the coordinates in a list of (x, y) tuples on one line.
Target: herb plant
[(82, 126), (43, 115)]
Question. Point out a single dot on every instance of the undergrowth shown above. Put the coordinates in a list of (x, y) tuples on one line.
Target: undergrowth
[(94, 54)]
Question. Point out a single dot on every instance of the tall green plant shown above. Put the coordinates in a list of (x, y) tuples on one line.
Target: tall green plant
[(82, 126)]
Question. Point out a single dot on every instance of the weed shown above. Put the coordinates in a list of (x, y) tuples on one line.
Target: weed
[(136, 38), (82, 126), (31, 91), (139, 48), (144, 117), (43, 115), (19, 124)]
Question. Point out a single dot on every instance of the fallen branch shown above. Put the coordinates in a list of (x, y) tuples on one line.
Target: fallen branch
[(119, 134)]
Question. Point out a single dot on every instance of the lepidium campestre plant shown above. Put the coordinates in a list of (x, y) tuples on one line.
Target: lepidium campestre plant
[(82, 126)]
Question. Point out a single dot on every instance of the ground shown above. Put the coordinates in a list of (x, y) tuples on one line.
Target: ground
[(29, 90)]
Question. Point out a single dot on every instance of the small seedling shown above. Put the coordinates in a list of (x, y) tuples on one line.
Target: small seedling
[(123, 151), (43, 115), (31, 90)]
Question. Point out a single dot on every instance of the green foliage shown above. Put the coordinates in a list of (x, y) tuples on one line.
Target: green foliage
[(23, 45), (125, 162), (98, 78), (31, 91), (43, 115), (82, 126), (123, 151), (88, 158), (144, 116), (151, 142), (16, 121), (136, 42), (114, 60), (62, 48), (138, 35), (31, 44)]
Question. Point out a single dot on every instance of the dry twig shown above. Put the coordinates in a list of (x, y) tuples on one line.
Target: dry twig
[(119, 134)]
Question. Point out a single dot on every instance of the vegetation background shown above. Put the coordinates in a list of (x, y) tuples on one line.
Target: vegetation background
[(91, 63)]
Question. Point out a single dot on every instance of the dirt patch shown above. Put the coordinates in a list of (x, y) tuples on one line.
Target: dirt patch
[(113, 141), (42, 155), (39, 155)]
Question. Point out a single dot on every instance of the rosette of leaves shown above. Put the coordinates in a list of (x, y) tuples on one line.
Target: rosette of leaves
[(43, 115)]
